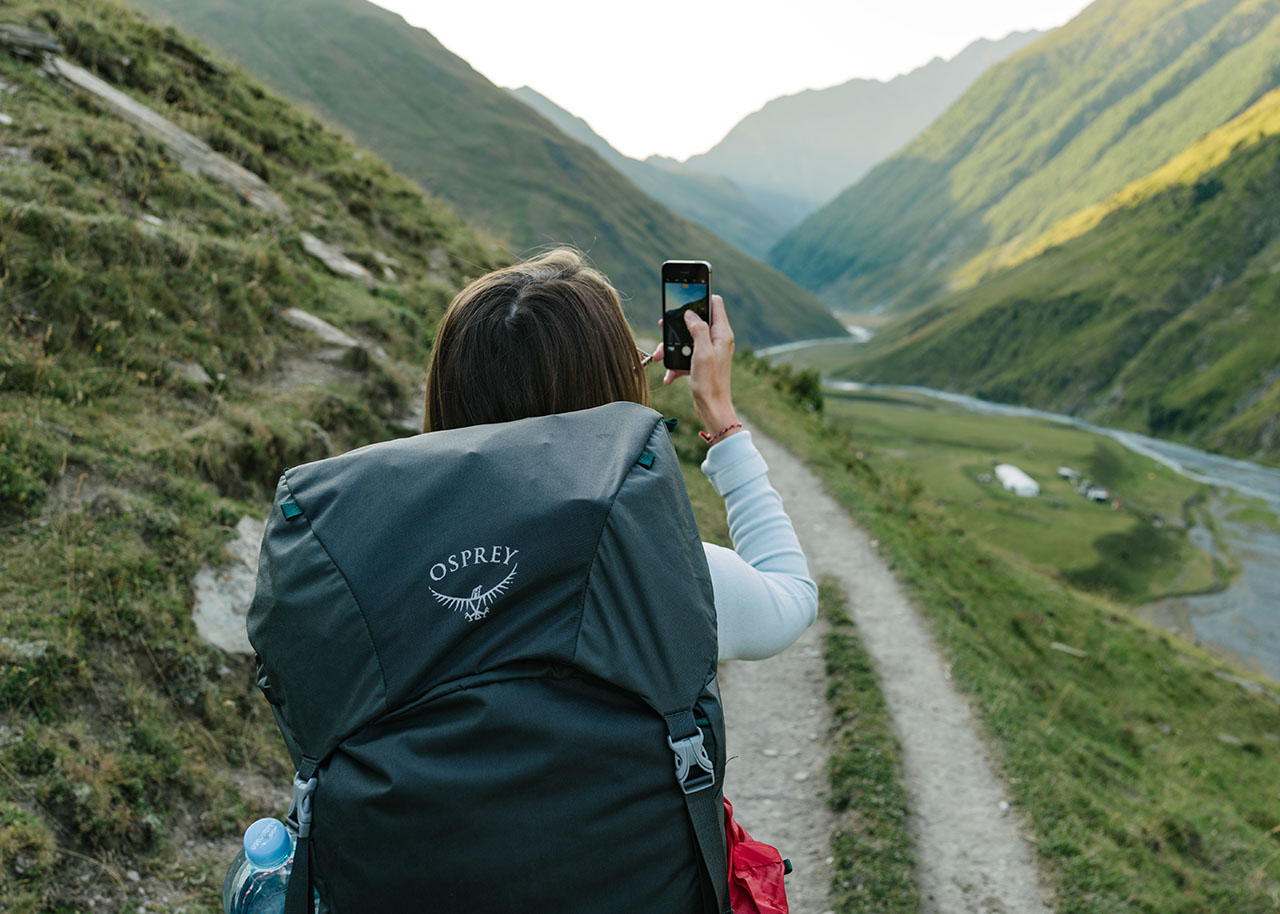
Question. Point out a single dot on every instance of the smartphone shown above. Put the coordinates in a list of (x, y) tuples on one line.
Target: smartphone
[(685, 284)]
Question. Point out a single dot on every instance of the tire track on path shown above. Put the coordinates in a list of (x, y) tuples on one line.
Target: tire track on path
[(972, 855)]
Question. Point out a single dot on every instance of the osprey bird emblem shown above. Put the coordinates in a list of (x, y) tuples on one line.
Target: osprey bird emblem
[(476, 606)]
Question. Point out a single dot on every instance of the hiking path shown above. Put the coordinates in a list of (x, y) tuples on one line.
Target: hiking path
[(972, 853)]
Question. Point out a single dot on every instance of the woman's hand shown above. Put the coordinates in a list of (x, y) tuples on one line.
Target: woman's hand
[(710, 369)]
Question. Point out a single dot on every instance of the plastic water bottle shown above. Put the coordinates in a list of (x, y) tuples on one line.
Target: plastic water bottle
[(257, 878)]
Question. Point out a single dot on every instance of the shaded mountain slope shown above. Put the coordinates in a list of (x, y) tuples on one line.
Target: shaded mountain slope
[(1061, 125), (717, 204), (471, 143), (1157, 310)]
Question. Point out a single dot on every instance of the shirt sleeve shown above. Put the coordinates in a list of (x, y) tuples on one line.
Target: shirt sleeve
[(764, 595)]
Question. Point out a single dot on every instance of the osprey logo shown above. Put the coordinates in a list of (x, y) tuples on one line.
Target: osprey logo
[(476, 606)]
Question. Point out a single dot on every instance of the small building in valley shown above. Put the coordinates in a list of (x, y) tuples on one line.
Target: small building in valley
[(1016, 481)]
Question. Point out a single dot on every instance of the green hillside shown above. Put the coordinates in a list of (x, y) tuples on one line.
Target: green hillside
[(810, 146), (149, 396), (717, 204), (1156, 310), (1060, 126), (471, 143)]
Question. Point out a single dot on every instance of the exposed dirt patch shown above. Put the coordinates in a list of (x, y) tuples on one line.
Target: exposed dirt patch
[(80, 488)]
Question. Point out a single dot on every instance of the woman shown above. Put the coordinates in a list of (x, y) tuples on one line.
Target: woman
[(549, 336), (465, 635)]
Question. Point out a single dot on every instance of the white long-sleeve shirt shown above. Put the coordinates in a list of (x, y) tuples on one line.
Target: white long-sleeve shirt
[(764, 595)]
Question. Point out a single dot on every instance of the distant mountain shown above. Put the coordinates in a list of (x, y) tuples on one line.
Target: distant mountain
[(716, 204), (503, 166), (799, 151), (1061, 125), (1157, 310)]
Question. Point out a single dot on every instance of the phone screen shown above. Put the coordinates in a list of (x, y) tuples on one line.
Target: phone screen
[(677, 298)]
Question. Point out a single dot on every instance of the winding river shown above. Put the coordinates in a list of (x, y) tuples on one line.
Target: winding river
[(1243, 619)]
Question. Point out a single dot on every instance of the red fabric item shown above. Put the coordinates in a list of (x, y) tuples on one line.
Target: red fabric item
[(755, 871)]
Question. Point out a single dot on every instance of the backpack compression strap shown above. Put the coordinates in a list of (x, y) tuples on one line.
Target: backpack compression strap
[(697, 778)]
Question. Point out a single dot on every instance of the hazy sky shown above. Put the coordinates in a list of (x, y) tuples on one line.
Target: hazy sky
[(674, 77)]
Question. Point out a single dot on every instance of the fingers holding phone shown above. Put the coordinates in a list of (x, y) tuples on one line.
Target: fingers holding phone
[(711, 366), (711, 369), (697, 340)]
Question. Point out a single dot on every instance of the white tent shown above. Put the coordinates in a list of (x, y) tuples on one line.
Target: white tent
[(1016, 481)]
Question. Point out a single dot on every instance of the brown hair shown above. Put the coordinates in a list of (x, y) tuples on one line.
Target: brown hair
[(540, 337)]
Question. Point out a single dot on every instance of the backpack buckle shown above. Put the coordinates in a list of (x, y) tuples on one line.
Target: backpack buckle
[(299, 816), (690, 752)]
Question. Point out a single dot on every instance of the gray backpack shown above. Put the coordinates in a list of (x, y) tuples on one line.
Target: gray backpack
[(492, 654)]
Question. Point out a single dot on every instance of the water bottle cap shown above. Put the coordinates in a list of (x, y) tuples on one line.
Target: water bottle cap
[(267, 844)]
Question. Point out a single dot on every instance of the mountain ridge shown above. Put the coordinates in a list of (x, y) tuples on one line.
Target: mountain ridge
[(808, 146), (715, 203)]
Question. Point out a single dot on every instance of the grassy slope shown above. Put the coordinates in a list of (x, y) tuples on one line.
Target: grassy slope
[(122, 735), (1059, 126), (715, 203), (472, 144), (1260, 120), (1160, 317), (1148, 780)]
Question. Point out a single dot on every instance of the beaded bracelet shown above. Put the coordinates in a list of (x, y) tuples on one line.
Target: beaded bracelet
[(712, 439)]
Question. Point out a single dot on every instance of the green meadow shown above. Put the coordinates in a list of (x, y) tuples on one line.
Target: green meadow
[(1251, 511), (1133, 553), (825, 358)]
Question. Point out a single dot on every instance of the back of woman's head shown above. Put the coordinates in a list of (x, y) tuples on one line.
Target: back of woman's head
[(540, 337)]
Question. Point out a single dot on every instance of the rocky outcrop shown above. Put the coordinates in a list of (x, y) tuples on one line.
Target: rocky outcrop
[(192, 154), (337, 262), (223, 594)]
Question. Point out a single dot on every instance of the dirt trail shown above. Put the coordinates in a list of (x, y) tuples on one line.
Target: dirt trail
[(776, 778), (973, 857)]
